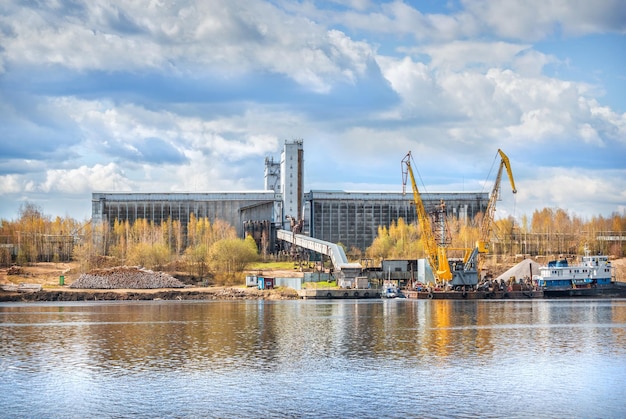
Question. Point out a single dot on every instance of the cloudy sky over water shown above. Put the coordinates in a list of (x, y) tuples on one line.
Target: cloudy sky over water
[(191, 96)]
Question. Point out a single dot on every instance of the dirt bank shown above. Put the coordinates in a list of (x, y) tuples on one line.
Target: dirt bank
[(208, 293), (122, 283)]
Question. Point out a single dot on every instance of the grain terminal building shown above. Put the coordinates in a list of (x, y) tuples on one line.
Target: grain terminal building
[(351, 218)]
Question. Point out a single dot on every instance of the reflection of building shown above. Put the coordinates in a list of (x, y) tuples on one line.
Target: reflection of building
[(351, 218)]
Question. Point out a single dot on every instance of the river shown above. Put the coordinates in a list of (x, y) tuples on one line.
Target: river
[(311, 359)]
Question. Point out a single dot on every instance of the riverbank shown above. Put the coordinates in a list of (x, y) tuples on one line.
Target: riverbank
[(40, 282), (192, 293)]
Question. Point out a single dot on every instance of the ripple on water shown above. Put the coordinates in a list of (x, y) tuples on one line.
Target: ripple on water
[(314, 359)]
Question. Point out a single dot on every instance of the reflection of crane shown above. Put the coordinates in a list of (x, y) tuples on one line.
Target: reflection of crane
[(482, 245), (436, 254)]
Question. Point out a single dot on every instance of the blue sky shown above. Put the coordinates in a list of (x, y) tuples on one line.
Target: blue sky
[(193, 95)]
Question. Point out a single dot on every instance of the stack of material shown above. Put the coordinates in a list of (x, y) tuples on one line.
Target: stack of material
[(126, 277), (524, 269), (15, 270)]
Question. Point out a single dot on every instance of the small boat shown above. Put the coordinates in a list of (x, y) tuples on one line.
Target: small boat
[(389, 291), (587, 278)]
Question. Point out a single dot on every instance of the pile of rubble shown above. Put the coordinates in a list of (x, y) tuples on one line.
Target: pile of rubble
[(15, 270), (126, 277)]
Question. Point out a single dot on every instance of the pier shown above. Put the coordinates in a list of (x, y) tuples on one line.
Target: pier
[(334, 293)]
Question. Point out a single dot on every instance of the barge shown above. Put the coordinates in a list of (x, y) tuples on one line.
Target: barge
[(474, 295)]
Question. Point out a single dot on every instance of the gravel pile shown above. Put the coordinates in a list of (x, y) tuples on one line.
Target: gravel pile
[(126, 277)]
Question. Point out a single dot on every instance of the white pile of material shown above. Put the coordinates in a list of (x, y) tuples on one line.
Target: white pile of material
[(126, 277), (521, 270)]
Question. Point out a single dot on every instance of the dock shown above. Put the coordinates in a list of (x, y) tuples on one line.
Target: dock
[(473, 295), (335, 293)]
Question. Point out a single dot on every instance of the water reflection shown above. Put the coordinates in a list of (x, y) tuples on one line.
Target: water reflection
[(191, 335), (292, 348)]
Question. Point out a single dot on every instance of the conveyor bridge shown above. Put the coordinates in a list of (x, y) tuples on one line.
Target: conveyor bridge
[(347, 271)]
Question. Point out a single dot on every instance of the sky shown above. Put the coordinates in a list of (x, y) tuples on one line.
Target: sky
[(192, 96)]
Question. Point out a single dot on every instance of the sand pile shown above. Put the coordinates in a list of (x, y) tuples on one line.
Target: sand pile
[(126, 277), (521, 270)]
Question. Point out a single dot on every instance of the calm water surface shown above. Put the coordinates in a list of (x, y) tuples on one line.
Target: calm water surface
[(395, 358)]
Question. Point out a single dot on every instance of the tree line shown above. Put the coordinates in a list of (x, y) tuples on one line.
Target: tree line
[(203, 248), (547, 232)]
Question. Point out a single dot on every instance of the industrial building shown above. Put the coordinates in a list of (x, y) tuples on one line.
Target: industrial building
[(351, 218)]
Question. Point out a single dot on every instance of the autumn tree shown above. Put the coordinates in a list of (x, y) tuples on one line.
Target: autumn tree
[(197, 260), (381, 246), (30, 236), (36, 237), (173, 235), (232, 256), (399, 241), (89, 248), (201, 236)]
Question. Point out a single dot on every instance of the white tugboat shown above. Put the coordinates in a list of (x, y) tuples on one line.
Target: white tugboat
[(591, 275)]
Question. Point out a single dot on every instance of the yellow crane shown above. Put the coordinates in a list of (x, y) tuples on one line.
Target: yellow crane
[(435, 253), (463, 275), (483, 243), (487, 225)]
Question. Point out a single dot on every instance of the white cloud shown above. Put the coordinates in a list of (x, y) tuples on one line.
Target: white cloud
[(589, 134), (11, 184), (496, 104), (537, 19), (613, 123), (530, 63), (68, 181), (511, 19), (580, 190), (413, 81), (40, 37), (204, 173), (86, 179), (458, 55), (117, 129), (462, 90), (398, 17), (227, 38)]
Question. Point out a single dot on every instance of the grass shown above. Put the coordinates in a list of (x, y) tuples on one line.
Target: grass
[(270, 265), (287, 265), (321, 284)]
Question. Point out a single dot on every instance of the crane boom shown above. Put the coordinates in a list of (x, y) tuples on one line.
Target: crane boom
[(436, 255), (485, 231)]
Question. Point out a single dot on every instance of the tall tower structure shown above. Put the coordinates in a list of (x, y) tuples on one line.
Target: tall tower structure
[(292, 180), (272, 175)]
